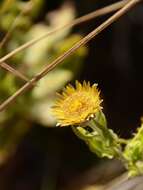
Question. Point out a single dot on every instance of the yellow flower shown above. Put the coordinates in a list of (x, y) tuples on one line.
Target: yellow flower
[(77, 105)]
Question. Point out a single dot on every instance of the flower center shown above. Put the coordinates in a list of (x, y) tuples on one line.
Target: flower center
[(76, 104)]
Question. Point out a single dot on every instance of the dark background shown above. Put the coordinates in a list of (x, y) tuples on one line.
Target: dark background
[(114, 62)]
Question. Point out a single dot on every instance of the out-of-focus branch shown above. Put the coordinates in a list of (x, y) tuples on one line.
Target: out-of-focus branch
[(13, 25), (4, 65), (57, 61)]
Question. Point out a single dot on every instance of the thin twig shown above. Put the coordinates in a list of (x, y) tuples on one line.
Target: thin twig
[(102, 11), (15, 72), (7, 35), (77, 21), (4, 65), (57, 61)]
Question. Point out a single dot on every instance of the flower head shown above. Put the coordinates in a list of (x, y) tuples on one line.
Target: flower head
[(77, 105)]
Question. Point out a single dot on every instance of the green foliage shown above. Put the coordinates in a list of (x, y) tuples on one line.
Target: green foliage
[(105, 143), (134, 153)]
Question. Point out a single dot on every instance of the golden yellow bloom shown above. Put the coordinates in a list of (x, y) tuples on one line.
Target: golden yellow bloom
[(77, 105)]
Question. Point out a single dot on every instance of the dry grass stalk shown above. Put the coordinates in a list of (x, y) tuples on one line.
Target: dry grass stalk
[(15, 72), (85, 18), (57, 61), (77, 21), (13, 25)]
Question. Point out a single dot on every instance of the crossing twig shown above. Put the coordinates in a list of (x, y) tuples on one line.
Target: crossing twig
[(57, 61)]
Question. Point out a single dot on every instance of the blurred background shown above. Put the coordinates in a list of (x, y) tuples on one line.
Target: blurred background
[(34, 154)]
